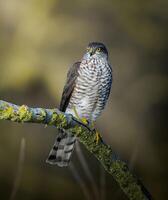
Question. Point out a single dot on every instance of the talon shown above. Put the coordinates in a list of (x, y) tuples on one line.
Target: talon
[(84, 120), (98, 137)]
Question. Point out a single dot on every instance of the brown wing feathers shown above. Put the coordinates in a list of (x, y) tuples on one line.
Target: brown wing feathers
[(69, 86), (63, 147)]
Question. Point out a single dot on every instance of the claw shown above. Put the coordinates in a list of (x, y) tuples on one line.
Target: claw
[(86, 122), (98, 137), (83, 120)]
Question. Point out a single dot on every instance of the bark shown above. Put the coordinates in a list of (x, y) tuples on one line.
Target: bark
[(127, 181)]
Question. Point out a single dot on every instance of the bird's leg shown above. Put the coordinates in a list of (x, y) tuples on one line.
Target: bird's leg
[(91, 125), (83, 119), (97, 137), (97, 134)]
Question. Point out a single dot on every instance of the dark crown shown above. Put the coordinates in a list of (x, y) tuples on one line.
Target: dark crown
[(96, 45)]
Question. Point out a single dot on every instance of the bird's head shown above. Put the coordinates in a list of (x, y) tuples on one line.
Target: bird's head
[(96, 49)]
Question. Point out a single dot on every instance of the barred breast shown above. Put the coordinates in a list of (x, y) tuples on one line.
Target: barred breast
[(92, 89)]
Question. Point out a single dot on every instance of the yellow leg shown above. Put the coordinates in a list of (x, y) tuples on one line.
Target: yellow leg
[(83, 120), (97, 134), (98, 137), (76, 113)]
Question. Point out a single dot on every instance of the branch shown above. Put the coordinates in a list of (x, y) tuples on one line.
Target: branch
[(128, 182)]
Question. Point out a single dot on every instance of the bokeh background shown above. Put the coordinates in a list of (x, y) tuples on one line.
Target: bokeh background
[(39, 40)]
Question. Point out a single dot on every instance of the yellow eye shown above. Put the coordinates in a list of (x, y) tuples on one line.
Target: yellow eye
[(98, 49)]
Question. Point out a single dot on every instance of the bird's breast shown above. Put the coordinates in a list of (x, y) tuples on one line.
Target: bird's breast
[(87, 88)]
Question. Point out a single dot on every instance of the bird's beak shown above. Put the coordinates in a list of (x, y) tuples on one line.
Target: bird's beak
[(91, 52)]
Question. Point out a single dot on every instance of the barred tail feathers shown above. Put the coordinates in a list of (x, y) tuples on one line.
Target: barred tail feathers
[(62, 150)]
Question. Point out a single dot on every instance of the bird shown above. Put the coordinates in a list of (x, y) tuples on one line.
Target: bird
[(84, 96)]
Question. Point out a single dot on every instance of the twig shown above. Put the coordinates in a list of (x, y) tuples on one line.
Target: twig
[(129, 183)]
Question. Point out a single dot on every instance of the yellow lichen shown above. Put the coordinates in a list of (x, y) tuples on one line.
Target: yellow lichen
[(24, 113), (7, 112), (59, 120)]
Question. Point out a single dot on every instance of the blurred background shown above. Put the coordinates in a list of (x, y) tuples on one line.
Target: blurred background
[(39, 40)]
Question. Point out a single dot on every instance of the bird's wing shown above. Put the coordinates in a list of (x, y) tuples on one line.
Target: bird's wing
[(69, 86)]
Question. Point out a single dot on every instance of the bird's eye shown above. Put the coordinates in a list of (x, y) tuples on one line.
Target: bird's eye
[(98, 49)]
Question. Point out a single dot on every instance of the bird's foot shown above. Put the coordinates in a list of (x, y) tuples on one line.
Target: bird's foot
[(97, 134), (97, 137), (89, 125), (83, 119)]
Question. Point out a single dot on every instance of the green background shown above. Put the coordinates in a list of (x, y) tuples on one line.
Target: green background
[(39, 40)]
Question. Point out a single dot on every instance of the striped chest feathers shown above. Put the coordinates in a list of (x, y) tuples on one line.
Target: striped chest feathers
[(89, 84), (91, 75)]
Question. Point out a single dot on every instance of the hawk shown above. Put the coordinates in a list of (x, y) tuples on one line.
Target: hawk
[(84, 95)]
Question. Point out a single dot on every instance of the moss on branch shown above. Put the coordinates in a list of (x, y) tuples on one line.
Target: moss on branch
[(128, 182)]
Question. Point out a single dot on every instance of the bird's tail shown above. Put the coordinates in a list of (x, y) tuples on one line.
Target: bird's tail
[(62, 150)]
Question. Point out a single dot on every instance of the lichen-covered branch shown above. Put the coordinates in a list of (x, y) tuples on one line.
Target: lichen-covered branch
[(128, 182)]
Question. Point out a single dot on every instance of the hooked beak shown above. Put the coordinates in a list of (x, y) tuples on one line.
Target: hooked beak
[(91, 52)]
